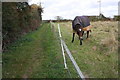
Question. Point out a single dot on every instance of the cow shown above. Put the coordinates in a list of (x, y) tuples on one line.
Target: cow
[(79, 25)]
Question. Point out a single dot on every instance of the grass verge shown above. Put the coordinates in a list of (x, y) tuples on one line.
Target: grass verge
[(35, 55)]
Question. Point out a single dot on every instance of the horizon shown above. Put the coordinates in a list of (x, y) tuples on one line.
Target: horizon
[(68, 10)]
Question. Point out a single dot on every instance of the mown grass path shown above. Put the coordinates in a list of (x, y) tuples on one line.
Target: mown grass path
[(35, 55)]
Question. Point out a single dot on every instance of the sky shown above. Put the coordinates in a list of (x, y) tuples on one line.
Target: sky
[(68, 9)]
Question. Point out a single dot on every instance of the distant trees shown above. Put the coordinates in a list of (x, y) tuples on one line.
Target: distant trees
[(18, 18), (58, 18), (117, 18)]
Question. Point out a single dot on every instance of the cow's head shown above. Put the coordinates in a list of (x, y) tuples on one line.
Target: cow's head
[(79, 30)]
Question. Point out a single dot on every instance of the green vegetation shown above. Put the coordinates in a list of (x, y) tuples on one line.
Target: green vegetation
[(35, 55), (18, 18), (117, 18), (38, 53), (0, 65), (98, 56)]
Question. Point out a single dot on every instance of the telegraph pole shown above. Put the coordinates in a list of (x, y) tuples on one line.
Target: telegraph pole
[(99, 8)]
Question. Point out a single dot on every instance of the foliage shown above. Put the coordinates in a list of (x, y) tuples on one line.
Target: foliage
[(58, 18), (117, 18), (18, 18)]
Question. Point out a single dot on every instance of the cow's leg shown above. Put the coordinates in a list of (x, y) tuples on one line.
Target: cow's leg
[(82, 33), (73, 37), (87, 34), (81, 38), (90, 30), (80, 42)]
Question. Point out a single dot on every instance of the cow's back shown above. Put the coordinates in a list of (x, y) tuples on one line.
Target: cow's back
[(81, 20)]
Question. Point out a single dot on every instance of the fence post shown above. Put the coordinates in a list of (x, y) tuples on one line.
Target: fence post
[(62, 47)]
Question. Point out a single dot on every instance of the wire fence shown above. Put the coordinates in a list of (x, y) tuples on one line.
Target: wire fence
[(65, 49)]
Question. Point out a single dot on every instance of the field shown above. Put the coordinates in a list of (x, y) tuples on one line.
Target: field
[(38, 53), (35, 55), (98, 56)]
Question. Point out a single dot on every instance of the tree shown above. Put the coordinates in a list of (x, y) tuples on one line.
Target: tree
[(58, 18), (18, 18)]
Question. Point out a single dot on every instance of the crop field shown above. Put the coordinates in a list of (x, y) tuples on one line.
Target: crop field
[(38, 54), (98, 56)]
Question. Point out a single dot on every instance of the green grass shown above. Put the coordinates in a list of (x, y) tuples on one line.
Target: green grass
[(38, 54), (0, 65), (101, 62), (35, 55)]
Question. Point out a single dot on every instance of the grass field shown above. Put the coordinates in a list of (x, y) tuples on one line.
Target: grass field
[(38, 54), (98, 56), (35, 55), (0, 65)]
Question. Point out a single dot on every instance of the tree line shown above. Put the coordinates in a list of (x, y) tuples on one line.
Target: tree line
[(19, 18)]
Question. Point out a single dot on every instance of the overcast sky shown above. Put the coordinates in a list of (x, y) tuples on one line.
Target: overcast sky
[(68, 9)]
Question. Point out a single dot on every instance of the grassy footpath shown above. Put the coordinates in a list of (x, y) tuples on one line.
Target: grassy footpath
[(35, 55), (98, 56)]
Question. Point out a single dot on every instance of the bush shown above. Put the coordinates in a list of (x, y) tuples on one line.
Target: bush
[(18, 18)]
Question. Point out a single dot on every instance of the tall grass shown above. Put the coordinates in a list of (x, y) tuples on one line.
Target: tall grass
[(98, 56)]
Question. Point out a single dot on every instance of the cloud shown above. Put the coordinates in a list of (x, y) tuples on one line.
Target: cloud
[(119, 8), (34, 1), (68, 9)]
